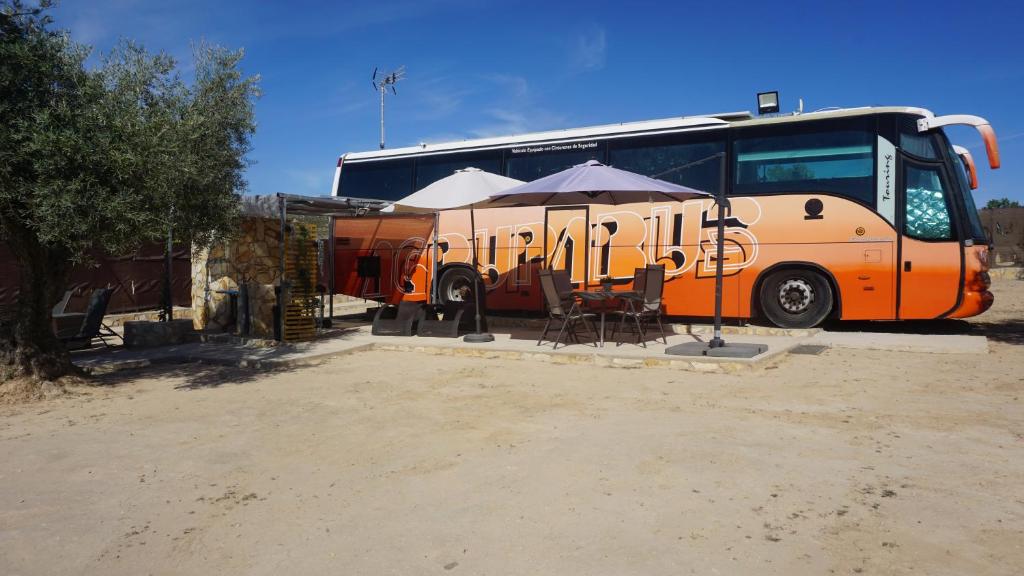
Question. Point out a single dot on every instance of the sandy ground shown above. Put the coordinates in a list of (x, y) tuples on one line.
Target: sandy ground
[(852, 462)]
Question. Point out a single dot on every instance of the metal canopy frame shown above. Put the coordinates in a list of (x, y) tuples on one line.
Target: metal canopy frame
[(298, 205)]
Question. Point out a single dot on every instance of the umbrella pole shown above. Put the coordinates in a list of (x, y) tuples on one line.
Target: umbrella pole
[(723, 206), (479, 336), (433, 265)]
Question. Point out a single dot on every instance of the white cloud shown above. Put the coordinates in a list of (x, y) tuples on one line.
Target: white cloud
[(589, 49), (437, 97), (518, 120), (517, 86)]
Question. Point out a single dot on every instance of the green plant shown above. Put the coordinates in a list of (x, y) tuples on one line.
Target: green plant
[(1002, 203), (95, 158)]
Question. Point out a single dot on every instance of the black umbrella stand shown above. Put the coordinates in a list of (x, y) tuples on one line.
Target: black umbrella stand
[(717, 346), (479, 336)]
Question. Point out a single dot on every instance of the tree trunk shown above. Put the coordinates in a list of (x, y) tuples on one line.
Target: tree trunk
[(28, 346)]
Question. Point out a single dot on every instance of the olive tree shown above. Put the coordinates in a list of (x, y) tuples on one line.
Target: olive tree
[(105, 158)]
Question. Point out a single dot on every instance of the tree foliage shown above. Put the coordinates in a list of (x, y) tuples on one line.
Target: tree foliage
[(108, 157), (1002, 203)]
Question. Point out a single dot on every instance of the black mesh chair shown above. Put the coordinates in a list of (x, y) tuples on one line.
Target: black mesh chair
[(396, 320), (644, 304), (564, 309), (441, 321), (92, 324)]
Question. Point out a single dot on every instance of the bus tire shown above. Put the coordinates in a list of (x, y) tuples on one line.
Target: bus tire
[(796, 298), (456, 285)]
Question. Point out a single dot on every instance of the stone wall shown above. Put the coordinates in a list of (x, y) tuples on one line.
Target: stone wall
[(253, 258)]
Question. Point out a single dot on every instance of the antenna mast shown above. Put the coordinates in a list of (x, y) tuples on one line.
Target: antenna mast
[(382, 86)]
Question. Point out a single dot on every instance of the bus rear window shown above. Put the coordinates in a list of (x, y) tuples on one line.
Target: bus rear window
[(380, 180), (840, 163)]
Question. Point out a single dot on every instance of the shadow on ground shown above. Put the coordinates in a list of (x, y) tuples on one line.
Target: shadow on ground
[(1008, 331), (194, 375), (200, 365)]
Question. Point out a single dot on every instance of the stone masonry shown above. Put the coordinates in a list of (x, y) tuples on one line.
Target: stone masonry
[(252, 258)]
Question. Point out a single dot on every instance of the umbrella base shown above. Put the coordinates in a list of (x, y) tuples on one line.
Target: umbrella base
[(478, 337), (728, 350)]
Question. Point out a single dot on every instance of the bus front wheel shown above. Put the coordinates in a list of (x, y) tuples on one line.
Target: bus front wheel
[(796, 298), (456, 285)]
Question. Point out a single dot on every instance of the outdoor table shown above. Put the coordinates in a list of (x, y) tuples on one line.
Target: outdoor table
[(603, 299)]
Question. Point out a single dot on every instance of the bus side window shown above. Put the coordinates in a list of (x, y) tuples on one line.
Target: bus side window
[(430, 169), (387, 180), (840, 162), (671, 162), (927, 205), (529, 166)]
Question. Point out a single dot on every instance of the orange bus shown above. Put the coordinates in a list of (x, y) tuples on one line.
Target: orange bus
[(859, 214)]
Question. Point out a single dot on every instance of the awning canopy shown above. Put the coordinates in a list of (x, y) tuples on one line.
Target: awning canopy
[(269, 205)]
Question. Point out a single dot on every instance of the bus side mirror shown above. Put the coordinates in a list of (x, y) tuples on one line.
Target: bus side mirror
[(968, 160)]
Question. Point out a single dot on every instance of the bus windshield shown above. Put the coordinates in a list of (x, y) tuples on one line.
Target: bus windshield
[(977, 232)]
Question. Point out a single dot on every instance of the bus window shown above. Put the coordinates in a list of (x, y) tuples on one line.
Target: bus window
[(927, 205), (529, 165), (668, 162), (840, 162), (974, 221), (916, 143), (380, 180), (430, 169)]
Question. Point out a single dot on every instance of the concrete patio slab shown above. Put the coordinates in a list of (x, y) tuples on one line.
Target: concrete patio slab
[(520, 344), (516, 339)]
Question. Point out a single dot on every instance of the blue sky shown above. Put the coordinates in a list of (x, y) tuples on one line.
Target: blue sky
[(494, 68)]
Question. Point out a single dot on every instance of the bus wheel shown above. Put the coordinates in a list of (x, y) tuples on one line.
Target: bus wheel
[(456, 285), (796, 298)]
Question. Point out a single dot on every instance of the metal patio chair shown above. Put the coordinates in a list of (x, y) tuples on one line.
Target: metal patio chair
[(563, 283), (566, 309), (92, 323), (644, 304)]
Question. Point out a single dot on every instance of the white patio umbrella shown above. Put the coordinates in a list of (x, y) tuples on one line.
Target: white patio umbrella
[(463, 189)]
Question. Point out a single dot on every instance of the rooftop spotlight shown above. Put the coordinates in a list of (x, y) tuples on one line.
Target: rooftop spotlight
[(767, 102)]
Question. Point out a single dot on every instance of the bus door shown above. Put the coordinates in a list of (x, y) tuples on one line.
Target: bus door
[(930, 252), (566, 239)]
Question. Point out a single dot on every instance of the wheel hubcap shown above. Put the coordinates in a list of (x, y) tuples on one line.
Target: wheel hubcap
[(796, 295), (460, 290)]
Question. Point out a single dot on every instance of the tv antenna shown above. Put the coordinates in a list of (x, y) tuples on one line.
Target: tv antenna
[(387, 80)]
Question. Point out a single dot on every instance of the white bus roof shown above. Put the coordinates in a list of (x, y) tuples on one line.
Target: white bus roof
[(651, 127)]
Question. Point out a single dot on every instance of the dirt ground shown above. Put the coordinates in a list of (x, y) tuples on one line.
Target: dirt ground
[(851, 462)]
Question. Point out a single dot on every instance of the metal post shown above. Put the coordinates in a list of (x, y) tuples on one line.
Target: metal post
[(383, 90), (331, 279), (168, 270), (433, 265), (283, 244), (723, 209), (479, 336)]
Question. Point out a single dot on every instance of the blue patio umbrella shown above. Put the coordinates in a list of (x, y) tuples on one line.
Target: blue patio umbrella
[(593, 183)]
